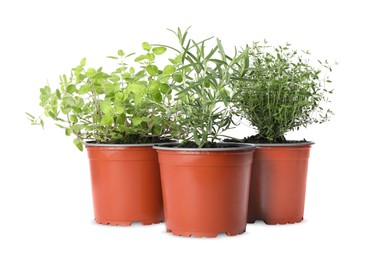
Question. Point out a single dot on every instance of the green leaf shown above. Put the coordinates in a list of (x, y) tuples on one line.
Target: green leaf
[(159, 50), (150, 56), (69, 101), (99, 89), (121, 119), (110, 88), (68, 131), (246, 58), (164, 88), (83, 62), (136, 88), (196, 137), (73, 118), (119, 110), (77, 128), (45, 91), (121, 53), (152, 70), (157, 97), (77, 110), (120, 97), (112, 57), (168, 70), (138, 120), (178, 59), (65, 109), (106, 107), (173, 61), (58, 94), (79, 101), (154, 87), (138, 99), (71, 89), (140, 58), (90, 72), (163, 78), (51, 114), (78, 143), (140, 74), (156, 130), (177, 77), (107, 120), (84, 89), (224, 94), (101, 75), (146, 46), (29, 115)]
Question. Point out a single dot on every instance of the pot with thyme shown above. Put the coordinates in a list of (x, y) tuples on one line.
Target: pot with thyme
[(205, 183), (278, 90), (117, 116)]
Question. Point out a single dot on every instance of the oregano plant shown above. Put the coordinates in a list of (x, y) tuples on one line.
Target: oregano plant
[(123, 106), (279, 90)]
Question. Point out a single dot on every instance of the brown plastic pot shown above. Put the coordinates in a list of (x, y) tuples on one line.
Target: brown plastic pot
[(205, 191), (278, 183), (126, 184)]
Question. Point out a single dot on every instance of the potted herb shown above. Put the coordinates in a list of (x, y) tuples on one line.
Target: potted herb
[(278, 90), (205, 184), (118, 117)]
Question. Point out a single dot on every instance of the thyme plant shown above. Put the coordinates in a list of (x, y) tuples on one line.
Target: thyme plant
[(118, 107), (278, 90)]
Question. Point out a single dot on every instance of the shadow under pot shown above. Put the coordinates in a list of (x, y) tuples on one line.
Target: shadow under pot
[(205, 191), (126, 184), (278, 183)]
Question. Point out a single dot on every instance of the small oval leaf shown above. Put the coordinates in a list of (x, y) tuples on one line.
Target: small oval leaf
[(146, 46), (159, 50), (152, 70)]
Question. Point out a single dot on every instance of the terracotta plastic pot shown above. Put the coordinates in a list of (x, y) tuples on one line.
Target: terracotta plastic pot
[(126, 184), (205, 191), (278, 183)]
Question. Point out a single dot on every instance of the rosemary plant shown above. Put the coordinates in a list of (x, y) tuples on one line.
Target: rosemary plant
[(202, 91)]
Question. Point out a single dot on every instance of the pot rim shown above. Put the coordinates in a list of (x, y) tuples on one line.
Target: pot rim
[(241, 147), (88, 143), (286, 144)]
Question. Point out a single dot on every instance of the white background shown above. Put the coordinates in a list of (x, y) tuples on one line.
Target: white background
[(45, 197)]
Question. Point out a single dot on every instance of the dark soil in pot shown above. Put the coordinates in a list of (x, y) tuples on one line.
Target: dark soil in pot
[(191, 144), (257, 139), (137, 139)]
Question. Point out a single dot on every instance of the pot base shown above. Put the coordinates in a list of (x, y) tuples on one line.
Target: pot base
[(203, 234), (277, 221), (127, 223)]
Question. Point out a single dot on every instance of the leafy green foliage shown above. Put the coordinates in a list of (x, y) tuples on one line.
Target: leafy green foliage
[(279, 91), (191, 99), (110, 107), (201, 84)]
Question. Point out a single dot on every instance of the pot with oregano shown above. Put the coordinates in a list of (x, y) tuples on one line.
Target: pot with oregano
[(205, 183), (279, 90), (118, 117)]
